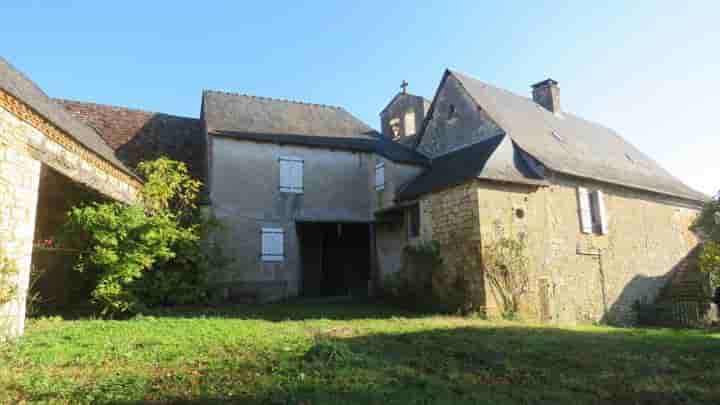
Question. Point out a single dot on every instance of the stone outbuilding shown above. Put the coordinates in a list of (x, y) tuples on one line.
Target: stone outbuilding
[(43, 145)]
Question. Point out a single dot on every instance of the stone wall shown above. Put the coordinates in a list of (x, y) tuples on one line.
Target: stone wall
[(19, 179), (589, 277), (246, 197)]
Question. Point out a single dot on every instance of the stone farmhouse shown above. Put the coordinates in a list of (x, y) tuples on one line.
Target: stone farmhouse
[(315, 202)]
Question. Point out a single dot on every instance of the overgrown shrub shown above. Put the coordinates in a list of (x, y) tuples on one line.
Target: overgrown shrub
[(426, 283), (149, 253), (707, 225)]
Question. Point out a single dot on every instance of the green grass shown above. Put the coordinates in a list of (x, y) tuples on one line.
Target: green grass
[(322, 353)]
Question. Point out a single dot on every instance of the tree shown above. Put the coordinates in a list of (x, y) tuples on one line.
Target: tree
[(122, 242)]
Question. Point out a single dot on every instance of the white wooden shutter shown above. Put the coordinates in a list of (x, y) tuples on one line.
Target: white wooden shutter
[(600, 212), (291, 174), (273, 244), (380, 176), (585, 212)]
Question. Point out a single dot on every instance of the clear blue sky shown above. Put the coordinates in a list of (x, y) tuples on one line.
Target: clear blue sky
[(647, 69)]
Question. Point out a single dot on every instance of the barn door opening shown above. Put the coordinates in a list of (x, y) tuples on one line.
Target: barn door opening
[(335, 258)]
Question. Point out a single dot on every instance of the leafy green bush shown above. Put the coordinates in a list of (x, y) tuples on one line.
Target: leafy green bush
[(707, 225), (149, 253)]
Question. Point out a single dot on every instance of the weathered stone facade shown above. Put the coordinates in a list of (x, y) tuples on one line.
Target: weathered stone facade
[(336, 188), (19, 180), (581, 277), (28, 141)]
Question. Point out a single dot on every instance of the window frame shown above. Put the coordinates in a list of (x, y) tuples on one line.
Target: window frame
[(288, 183), (267, 253)]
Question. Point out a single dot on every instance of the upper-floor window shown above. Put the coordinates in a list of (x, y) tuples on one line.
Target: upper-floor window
[(380, 176), (291, 174), (593, 215), (410, 123)]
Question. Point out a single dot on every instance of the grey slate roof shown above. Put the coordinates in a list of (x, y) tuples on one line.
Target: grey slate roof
[(260, 115), (21, 87), (569, 144), (372, 142), (495, 159)]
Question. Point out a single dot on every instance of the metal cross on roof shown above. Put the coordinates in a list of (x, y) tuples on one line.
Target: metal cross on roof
[(404, 86)]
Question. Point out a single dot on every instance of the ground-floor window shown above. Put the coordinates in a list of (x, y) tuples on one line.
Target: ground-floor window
[(273, 244)]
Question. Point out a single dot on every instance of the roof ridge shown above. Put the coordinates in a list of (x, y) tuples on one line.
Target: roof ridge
[(120, 107), (282, 100)]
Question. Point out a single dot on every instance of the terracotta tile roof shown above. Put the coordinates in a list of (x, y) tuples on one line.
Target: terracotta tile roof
[(137, 135)]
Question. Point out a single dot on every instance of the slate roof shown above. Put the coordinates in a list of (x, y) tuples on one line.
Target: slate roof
[(263, 119), (569, 144), (371, 143), (21, 87), (495, 159), (261, 115), (137, 135)]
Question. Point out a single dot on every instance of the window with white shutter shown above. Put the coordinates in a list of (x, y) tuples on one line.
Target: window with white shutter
[(584, 207), (272, 240), (291, 174), (380, 176), (599, 212)]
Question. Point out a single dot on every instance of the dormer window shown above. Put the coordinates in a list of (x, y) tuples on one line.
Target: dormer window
[(410, 123)]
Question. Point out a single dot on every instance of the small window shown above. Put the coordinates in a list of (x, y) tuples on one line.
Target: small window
[(451, 111), (291, 175), (410, 123), (380, 176), (273, 245), (414, 221), (593, 215)]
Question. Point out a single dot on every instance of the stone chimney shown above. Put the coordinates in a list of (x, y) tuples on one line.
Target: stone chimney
[(547, 94)]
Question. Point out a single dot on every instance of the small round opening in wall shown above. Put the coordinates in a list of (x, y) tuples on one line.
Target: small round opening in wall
[(520, 213)]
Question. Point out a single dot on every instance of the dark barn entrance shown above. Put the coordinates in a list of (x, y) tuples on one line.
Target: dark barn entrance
[(335, 258)]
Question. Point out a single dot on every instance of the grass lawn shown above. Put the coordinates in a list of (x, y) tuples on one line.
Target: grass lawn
[(320, 353)]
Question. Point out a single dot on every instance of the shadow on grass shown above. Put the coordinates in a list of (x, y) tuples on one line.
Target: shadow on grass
[(470, 365), (293, 310)]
